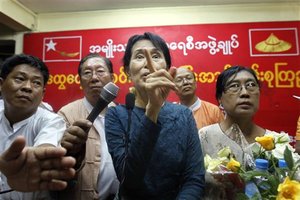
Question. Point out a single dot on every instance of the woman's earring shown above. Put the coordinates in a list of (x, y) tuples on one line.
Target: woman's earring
[(222, 109), (221, 106)]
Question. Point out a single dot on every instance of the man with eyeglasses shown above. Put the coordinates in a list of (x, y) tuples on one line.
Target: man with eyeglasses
[(205, 113), (96, 177)]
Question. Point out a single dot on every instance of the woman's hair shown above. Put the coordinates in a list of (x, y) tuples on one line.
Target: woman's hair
[(10, 63), (156, 40), (108, 63), (227, 74)]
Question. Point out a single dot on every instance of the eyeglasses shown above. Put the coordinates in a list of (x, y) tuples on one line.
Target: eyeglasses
[(234, 88), (88, 74), (180, 80)]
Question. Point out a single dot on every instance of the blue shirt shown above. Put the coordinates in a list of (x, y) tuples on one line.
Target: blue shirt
[(164, 159)]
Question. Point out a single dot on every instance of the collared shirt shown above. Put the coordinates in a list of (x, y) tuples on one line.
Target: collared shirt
[(106, 184), (206, 113), (43, 127), (196, 105)]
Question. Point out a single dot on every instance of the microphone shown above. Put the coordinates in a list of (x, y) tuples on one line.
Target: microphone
[(108, 93), (129, 101)]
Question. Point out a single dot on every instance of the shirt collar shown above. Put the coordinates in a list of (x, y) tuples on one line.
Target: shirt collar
[(16, 126), (196, 105)]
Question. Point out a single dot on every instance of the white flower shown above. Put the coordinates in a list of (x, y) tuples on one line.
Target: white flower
[(213, 164), (225, 152), (279, 151), (282, 140), (207, 160)]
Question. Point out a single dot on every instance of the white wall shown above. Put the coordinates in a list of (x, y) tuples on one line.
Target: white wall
[(168, 16), (163, 16), (17, 16)]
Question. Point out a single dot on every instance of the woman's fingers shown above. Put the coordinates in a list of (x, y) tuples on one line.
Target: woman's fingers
[(160, 82), (160, 78), (172, 71), (150, 63)]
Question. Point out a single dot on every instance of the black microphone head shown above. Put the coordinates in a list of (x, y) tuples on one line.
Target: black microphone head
[(109, 92), (129, 101)]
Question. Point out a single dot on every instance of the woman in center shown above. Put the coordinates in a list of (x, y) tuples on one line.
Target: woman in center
[(162, 158)]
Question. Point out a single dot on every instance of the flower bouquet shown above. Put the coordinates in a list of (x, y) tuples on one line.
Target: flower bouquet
[(280, 180), (224, 170)]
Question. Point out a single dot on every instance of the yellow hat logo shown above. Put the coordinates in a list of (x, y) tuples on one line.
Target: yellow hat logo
[(273, 44)]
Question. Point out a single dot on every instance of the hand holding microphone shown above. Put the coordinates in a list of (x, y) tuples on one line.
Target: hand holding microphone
[(76, 135), (107, 95)]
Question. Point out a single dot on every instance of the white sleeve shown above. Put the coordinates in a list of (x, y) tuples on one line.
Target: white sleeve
[(51, 128)]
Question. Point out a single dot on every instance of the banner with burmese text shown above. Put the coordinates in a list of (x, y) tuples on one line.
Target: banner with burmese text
[(270, 48)]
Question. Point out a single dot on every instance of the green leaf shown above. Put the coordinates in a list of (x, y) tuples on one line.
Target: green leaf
[(256, 197), (273, 182), (288, 157), (256, 149), (279, 141), (297, 163), (241, 196), (250, 175)]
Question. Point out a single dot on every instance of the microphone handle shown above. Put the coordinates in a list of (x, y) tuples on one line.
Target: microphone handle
[(100, 105)]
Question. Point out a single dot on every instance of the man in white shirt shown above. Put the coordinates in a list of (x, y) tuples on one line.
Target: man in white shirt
[(22, 80), (23, 166)]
